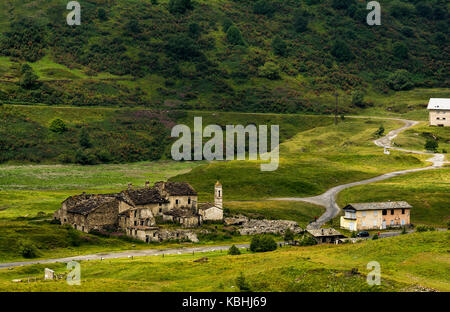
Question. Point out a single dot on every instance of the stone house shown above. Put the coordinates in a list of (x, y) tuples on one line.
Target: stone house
[(439, 110), (368, 216), (325, 236), (136, 211)]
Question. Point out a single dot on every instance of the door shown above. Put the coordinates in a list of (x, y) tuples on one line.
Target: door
[(384, 225)]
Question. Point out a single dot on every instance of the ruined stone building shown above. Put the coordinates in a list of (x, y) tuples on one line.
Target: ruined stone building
[(141, 212)]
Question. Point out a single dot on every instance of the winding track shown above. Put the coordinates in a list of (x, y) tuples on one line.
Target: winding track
[(328, 199)]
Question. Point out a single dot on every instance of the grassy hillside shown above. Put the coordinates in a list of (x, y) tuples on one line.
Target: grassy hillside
[(113, 135), (407, 263), (427, 192), (310, 163), (251, 55)]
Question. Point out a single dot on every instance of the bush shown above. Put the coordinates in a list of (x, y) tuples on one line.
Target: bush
[(226, 24), (101, 14), (84, 138), (375, 236), (182, 47), (262, 244), (278, 46), (431, 145), (179, 6), (400, 80), (28, 79), (380, 131), (400, 50), (307, 240), (424, 228), (358, 98), (234, 36), (234, 251), (270, 71), (58, 126), (300, 22), (242, 284), (263, 7), (341, 51), (28, 250), (288, 235), (73, 237)]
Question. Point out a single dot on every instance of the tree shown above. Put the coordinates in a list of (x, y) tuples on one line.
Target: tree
[(400, 50), (179, 6), (341, 51), (263, 7), (58, 126), (234, 251), (182, 47), (380, 131), (278, 46), (226, 24), (288, 235), (270, 71), (234, 36), (342, 4), (400, 80), (431, 145), (242, 283), (262, 244), (300, 22), (84, 139), (358, 98), (194, 30), (28, 80), (101, 14)]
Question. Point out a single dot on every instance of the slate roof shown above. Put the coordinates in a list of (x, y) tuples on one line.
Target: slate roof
[(378, 206), (436, 103), (177, 188), (85, 204), (324, 232), (204, 206), (144, 196)]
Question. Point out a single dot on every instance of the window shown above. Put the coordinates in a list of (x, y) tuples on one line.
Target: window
[(375, 213), (384, 212), (160, 204), (142, 222), (218, 193), (176, 202), (403, 222), (374, 222), (135, 223), (135, 213), (189, 200), (403, 211), (392, 222), (160, 209), (392, 211), (364, 223), (364, 213)]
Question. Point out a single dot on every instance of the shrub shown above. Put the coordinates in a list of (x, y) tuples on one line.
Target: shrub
[(179, 6), (300, 22), (194, 30), (288, 235), (400, 80), (380, 131), (226, 24), (270, 71), (182, 47), (448, 224), (375, 236), (262, 244), (73, 237), (242, 283), (404, 230), (341, 51), (101, 14), (84, 138), (431, 145), (28, 250), (358, 98), (263, 7), (58, 126), (307, 240), (278, 46), (234, 36), (342, 4), (234, 251), (400, 50), (424, 228), (28, 80)]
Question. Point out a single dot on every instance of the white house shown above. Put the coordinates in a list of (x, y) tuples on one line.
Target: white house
[(439, 112), (213, 212)]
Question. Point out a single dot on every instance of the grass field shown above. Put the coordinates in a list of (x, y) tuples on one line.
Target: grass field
[(406, 262), (416, 137), (427, 192), (310, 163)]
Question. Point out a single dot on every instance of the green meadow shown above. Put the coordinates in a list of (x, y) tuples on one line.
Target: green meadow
[(427, 192), (407, 263), (310, 163), (416, 137)]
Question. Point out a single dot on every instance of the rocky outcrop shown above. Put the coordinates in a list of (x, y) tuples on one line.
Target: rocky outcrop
[(253, 226)]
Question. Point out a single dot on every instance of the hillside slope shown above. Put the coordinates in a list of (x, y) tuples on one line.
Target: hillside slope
[(265, 56)]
